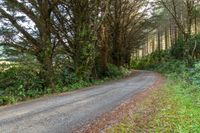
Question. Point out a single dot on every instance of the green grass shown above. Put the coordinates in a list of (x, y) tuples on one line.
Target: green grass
[(173, 108), (179, 109)]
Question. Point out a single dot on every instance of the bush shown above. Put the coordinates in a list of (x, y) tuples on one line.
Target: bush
[(151, 60), (66, 77), (174, 68), (194, 74), (19, 82), (114, 71), (171, 67), (195, 46), (177, 69), (6, 100), (179, 48)]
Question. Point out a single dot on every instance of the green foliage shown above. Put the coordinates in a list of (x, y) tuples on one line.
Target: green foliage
[(20, 77), (195, 46), (6, 100), (66, 77), (171, 67), (114, 72), (178, 49), (183, 98), (181, 46), (194, 74), (178, 70), (151, 60), (181, 50), (86, 62), (179, 110), (19, 82)]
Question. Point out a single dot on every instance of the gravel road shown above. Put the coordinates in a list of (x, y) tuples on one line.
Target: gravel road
[(63, 113)]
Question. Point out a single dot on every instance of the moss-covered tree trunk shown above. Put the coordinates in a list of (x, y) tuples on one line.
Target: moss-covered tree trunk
[(46, 72)]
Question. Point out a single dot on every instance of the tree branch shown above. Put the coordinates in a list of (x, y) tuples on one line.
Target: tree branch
[(18, 27)]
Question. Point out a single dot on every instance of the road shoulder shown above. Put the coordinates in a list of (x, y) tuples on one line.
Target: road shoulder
[(116, 115)]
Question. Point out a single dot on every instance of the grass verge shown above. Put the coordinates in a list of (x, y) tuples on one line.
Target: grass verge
[(175, 107)]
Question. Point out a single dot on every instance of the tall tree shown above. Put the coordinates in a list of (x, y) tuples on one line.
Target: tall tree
[(127, 24), (80, 23), (182, 11), (36, 35)]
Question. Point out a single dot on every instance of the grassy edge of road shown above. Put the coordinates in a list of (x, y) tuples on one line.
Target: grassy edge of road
[(174, 107)]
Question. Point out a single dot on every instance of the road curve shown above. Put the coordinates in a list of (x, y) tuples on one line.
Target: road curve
[(63, 113)]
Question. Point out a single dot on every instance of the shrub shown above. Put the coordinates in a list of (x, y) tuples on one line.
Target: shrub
[(6, 100), (177, 69), (18, 76), (114, 71), (194, 47), (194, 74), (19, 82), (151, 60), (179, 48), (66, 77)]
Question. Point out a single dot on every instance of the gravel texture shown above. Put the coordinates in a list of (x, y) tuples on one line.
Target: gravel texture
[(69, 111)]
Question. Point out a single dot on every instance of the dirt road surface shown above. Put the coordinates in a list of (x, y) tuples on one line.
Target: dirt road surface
[(63, 113)]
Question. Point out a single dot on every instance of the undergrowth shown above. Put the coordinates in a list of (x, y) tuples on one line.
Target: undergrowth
[(20, 82)]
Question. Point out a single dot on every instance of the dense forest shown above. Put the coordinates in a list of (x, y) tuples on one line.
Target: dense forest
[(55, 46), (48, 45)]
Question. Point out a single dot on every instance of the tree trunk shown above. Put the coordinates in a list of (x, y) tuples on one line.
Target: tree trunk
[(45, 56), (153, 45), (175, 33), (171, 35), (195, 25), (116, 52), (104, 50), (46, 72), (166, 38), (159, 41), (128, 58), (147, 46)]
